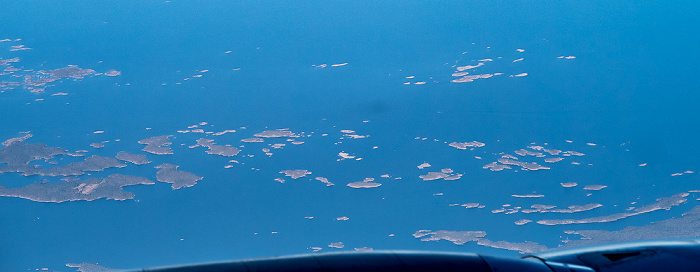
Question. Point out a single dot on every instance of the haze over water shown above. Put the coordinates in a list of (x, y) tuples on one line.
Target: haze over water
[(140, 134)]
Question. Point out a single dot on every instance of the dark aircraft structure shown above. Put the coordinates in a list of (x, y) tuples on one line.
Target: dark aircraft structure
[(681, 255)]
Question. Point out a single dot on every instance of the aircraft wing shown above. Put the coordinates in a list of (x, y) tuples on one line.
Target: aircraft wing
[(681, 255)]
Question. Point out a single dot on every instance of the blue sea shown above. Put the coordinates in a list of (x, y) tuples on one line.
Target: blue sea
[(618, 75)]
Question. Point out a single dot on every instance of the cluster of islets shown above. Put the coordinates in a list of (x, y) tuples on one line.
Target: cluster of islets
[(465, 73), (508, 160), (37, 81), (670, 228), (18, 156)]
